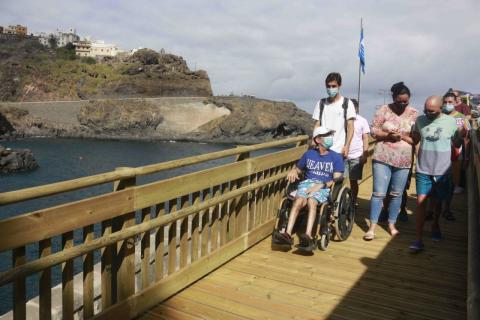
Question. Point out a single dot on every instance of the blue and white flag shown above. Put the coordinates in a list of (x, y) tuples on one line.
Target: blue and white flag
[(361, 52)]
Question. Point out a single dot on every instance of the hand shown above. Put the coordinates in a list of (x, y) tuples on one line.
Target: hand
[(292, 175), (315, 188), (394, 137), (363, 158), (345, 151)]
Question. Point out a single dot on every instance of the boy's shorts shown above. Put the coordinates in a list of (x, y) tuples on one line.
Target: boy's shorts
[(437, 187), (321, 196), (353, 169)]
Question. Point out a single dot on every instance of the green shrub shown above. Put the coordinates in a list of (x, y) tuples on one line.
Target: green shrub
[(89, 60)]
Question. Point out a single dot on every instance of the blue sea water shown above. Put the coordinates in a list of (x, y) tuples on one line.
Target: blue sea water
[(63, 159)]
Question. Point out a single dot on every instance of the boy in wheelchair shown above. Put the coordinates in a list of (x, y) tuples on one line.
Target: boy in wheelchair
[(321, 167)]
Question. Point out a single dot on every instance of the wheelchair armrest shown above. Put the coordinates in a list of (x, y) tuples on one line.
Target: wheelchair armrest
[(336, 189)]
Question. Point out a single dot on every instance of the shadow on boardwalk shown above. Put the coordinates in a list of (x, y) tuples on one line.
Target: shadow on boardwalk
[(354, 279)]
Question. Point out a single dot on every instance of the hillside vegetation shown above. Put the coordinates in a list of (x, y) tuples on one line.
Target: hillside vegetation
[(32, 72)]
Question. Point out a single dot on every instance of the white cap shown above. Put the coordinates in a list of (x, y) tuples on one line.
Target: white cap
[(322, 131)]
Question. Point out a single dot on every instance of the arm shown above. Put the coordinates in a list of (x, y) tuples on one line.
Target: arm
[(349, 137), (407, 137), (293, 175), (316, 125), (364, 156), (329, 184)]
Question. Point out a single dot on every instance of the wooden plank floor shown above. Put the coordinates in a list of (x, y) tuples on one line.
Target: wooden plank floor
[(354, 279)]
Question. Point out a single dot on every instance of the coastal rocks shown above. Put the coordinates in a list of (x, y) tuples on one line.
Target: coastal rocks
[(254, 120), (16, 160), (118, 116)]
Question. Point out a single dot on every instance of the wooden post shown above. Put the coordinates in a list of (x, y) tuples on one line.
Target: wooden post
[(145, 251), (215, 221), (184, 234), (19, 288), (124, 270), (172, 240), (159, 244), (88, 275), (108, 281), (195, 229), (205, 224), (45, 249), (67, 279)]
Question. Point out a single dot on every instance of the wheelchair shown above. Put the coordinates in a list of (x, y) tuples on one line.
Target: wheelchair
[(335, 217)]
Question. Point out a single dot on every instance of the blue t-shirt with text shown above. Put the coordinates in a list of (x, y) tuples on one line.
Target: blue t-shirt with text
[(320, 167)]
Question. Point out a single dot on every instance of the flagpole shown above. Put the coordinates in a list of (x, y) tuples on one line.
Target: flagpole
[(359, 69)]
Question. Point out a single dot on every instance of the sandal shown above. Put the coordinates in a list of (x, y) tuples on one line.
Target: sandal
[(369, 235)]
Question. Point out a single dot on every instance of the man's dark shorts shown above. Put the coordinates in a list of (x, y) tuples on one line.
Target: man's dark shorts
[(353, 169)]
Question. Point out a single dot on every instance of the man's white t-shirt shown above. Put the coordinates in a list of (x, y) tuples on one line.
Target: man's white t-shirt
[(332, 118)]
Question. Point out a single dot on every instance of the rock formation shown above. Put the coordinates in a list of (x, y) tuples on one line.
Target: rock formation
[(13, 160)]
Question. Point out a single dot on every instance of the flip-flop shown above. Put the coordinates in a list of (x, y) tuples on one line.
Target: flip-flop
[(369, 236)]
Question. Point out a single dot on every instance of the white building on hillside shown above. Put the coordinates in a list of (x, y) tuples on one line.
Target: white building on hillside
[(61, 37), (97, 48)]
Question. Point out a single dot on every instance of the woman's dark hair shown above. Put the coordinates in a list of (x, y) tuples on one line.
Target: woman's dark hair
[(398, 89), (334, 76), (450, 94)]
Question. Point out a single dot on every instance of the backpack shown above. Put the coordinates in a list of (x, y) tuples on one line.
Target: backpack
[(344, 106)]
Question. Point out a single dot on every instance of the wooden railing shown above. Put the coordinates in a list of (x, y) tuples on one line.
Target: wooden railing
[(473, 186), (196, 222)]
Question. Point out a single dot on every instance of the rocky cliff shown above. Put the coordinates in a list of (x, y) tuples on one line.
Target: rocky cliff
[(31, 72), (217, 119)]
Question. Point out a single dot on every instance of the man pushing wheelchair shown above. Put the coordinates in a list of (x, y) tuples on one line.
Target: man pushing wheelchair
[(321, 167)]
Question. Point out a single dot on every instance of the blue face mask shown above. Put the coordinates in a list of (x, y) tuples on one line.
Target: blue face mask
[(332, 92), (447, 108), (327, 142)]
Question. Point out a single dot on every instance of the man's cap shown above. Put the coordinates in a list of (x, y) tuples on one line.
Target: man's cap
[(319, 131)]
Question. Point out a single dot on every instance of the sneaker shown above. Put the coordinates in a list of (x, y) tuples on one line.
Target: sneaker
[(282, 238), (306, 243), (436, 235), (403, 216), (458, 190), (416, 246)]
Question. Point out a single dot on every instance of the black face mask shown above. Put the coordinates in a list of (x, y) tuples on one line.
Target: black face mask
[(432, 115), (401, 105)]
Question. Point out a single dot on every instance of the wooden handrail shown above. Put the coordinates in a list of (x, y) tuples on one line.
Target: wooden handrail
[(73, 252), (75, 184), (473, 187)]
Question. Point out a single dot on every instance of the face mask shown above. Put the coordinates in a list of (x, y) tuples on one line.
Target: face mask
[(447, 108), (432, 116), (401, 105), (332, 92), (327, 142)]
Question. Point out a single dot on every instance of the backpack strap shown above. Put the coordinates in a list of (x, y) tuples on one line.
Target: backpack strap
[(345, 108), (322, 106)]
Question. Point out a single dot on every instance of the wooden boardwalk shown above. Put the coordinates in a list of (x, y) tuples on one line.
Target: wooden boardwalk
[(352, 280)]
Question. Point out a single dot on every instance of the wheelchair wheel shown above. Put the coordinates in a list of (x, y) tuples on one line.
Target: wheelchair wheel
[(324, 226), (344, 214), (282, 215)]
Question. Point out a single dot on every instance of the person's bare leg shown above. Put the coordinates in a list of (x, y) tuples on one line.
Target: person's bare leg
[(312, 212), (420, 219), (298, 204)]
